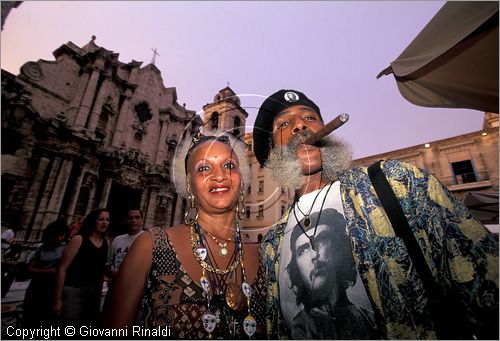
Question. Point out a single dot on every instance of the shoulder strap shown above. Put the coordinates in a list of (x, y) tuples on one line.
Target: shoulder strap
[(401, 227)]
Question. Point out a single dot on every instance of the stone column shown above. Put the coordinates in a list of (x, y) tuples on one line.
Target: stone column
[(47, 193), (170, 204), (149, 215), (97, 108), (54, 204), (160, 149), (105, 192), (88, 97), (90, 204), (144, 203), (73, 200), (179, 211), (77, 97), (121, 120), (32, 197)]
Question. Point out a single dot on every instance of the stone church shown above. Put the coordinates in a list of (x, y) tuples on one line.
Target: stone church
[(88, 131)]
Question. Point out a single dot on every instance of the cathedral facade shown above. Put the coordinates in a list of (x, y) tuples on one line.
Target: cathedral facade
[(88, 131)]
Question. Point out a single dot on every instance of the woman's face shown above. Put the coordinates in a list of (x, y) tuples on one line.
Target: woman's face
[(214, 176), (102, 222)]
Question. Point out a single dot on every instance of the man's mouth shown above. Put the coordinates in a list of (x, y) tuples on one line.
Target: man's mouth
[(306, 147)]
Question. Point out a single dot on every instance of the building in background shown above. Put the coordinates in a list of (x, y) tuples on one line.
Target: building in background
[(87, 131), (463, 163)]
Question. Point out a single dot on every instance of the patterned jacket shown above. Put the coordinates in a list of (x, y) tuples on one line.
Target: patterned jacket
[(460, 252)]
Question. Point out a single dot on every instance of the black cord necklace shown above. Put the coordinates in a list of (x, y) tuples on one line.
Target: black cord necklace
[(307, 221), (311, 238)]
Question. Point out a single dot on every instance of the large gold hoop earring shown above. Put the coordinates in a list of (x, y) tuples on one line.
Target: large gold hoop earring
[(186, 215)]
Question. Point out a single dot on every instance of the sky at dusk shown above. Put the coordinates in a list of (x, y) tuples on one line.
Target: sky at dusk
[(330, 50)]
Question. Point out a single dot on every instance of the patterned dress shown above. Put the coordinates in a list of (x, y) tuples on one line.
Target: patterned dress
[(461, 254), (172, 298)]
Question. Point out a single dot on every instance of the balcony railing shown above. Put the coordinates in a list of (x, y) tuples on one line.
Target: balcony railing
[(465, 178)]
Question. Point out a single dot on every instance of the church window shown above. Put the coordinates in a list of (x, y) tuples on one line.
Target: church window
[(464, 172), (214, 120), (237, 123), (261, 212), (11, 141), (143, 111)]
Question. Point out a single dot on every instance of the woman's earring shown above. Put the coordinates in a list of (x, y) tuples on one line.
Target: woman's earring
[(240, 208), (192, 207)]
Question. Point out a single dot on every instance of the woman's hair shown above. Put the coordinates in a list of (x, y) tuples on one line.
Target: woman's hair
[(189, 145), (89, 223), (54, 230)]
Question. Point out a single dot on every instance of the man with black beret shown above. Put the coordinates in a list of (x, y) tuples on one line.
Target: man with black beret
[(459, 252)]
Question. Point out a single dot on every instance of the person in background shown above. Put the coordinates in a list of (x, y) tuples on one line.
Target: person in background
[(39, 297), (74, 227), (461, 254), (122, 243), (10, 256), (198, 278), (7, 237), (80, 274)]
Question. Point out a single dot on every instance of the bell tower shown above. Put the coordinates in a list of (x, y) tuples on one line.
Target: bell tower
[(225, 113)]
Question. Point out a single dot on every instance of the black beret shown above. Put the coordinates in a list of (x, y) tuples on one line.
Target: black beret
[(270, 108)]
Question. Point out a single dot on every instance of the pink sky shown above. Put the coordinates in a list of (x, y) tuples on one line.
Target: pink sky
[(330, 50)]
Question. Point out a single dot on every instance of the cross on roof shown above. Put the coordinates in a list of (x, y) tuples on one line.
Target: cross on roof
[(154, 56)]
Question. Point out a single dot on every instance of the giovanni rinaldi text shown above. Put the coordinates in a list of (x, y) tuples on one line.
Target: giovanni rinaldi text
[(86, 331)]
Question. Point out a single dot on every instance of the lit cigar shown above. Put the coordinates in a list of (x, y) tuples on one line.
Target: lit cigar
[(327, 129)]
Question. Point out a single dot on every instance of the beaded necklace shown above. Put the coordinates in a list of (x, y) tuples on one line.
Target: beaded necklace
[(199, 246)]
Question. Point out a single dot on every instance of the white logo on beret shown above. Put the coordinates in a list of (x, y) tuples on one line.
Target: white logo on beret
[(291, 96)]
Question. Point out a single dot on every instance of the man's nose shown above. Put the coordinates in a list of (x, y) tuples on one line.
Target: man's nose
[(299, 125)]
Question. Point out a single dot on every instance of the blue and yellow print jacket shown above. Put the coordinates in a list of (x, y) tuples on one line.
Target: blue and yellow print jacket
[(461, 253)]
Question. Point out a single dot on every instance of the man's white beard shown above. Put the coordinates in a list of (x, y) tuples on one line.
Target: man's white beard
[(286, 169)]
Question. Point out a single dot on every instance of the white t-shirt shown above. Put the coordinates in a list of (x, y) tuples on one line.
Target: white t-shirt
[(119, 248), (312, 276)]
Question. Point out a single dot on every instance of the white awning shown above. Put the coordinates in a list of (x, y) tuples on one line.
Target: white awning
[(453, 61)]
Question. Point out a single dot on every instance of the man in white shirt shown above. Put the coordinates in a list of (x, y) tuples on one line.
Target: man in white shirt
[(122, 243)]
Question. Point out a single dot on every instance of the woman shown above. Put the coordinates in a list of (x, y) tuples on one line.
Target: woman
[(197, 278), (39, 298), (80, 274)]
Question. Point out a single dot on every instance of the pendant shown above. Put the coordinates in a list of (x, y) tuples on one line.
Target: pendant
[(307, 221), (201, 252), (223, 252), (247, 290), (209, 321), (249, 325), (235, 298), (205, 284)]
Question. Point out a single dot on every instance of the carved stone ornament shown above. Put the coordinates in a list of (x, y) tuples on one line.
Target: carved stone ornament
[(131, 179), (33, 71)]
